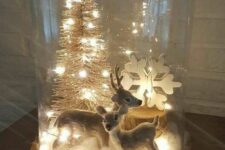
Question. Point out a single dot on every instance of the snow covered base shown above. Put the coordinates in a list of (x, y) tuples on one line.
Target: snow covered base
[(169, 140)]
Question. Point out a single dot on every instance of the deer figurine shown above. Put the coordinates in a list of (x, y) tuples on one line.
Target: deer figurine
[(122, 96), (92, 122), (142, 135)]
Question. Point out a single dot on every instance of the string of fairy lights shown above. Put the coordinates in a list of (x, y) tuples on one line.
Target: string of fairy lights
[(82, 71)]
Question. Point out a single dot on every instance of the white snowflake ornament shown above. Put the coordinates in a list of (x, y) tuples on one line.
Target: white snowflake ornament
[(149, 78)]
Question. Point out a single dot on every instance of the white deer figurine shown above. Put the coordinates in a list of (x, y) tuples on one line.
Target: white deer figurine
[(92, 122), (142, 135)]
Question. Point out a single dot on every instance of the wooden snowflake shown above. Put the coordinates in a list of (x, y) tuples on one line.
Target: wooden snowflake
[(149, 78)]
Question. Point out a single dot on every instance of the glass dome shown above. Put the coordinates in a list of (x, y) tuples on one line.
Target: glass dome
[(114, 54)]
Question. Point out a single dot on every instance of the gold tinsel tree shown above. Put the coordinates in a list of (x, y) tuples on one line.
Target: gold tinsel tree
[(82, 71)]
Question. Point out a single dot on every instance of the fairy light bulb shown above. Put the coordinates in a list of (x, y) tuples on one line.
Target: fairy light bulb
[(78, 1), (64, 135), (93, 42), (162, 143), (95, 13), (59, 70), (83, 74), (108, 109), (156, 39), (88, 94), (90, 25), (142, 25), (105, 73), (133, 24), (105, 86), (144, 5), (70, 21), (44, 147), (66, 26), (167, 106), (135, 31), (143, 13), (49, 114), (128, 52), (46, 137), (69, 4)]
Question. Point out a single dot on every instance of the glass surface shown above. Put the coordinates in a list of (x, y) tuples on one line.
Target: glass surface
[(126, 31)]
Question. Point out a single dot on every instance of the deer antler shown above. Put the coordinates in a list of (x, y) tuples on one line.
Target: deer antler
[(118, 79), (112, 82)]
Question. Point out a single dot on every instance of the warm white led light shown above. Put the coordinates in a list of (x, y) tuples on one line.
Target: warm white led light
[(135, 31), (73, 75), (128, 52), (88, 94), (105, 73), (90, 25), (64, 135), (95, 13), (49, 114), (93, 42), (144, 5), (69, 4), (133, 24), (167, 106), (162, 143), (66, 26), (83, 73), (156, 39), (70, 21), (44, 147), (105, 86), (142, 25), (78, 1), (108, 109), (59, 70), (144, 13)]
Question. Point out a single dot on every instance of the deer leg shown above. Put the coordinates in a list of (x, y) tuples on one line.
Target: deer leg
[(103, 137)]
